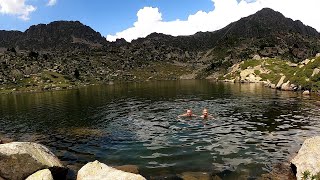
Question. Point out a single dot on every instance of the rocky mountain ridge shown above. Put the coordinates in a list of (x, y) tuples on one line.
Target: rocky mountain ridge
[(79, 54), (55, 36)]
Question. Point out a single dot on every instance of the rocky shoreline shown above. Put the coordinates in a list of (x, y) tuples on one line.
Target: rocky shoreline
[(278, 74), (32, 161)]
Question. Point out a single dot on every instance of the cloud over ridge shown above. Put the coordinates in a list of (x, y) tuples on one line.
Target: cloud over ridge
[(225, 11), (17, 8)]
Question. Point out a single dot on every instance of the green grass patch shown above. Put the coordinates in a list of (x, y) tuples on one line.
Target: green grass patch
[(160, 71), (250, 63), (273, 78)]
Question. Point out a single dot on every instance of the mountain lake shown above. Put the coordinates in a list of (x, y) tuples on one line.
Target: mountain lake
[(136, 123)]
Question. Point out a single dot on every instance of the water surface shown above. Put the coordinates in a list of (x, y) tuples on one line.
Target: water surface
[(136, 123)]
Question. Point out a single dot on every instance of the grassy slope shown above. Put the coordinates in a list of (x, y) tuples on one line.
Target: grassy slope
[(47, 80), (274, 69)]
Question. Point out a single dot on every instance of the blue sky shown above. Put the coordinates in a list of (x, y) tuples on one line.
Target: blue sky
[(131, 19), (105, 16)]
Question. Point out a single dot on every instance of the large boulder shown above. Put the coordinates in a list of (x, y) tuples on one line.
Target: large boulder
[(245, 73), (18, 160), (308, 158), (97, 170), (44, 174), (253, 79)]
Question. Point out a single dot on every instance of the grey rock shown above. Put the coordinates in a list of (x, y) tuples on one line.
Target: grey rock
[(97, 170), (44, 174), (308, 157), (18, 160), (286, 86), (256, 57), (307, 92)]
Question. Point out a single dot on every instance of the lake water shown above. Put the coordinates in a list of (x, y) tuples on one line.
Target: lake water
[(136, 123)]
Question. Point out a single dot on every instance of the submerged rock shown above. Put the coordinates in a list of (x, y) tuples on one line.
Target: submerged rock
[(196, 176), (44, 174), (307, 159), (97, 170), (129, 168), (279, 172), (18, 160)]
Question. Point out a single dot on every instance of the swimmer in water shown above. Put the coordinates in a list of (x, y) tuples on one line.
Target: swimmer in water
[(188, 114), (206, 115)]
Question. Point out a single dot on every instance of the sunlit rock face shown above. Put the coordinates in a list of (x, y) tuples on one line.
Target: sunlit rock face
[(14, 157), (97, 170), (307, 161)]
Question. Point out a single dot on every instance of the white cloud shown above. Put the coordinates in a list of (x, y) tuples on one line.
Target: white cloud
[(225, 12), (52, 2), (17, 8)]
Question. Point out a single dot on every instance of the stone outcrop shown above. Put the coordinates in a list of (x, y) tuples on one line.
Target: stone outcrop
[(247, 75), (307, 159), (44, 174), (97, 170), (315, 72), (305, 62), (18, 160), (281, 81), (292, 64)]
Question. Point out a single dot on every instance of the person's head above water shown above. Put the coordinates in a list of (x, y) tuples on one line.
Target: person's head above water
[(189, 112), (205, 112)]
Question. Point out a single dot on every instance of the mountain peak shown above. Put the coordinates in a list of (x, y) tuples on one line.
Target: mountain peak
[(60, 35)]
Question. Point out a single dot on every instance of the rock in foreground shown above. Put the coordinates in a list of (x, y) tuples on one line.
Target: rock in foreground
[(308, 158), (18, 160), (43, 175), (97, 170)]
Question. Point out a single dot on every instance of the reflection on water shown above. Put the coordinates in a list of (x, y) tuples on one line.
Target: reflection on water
[(134, 123)]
